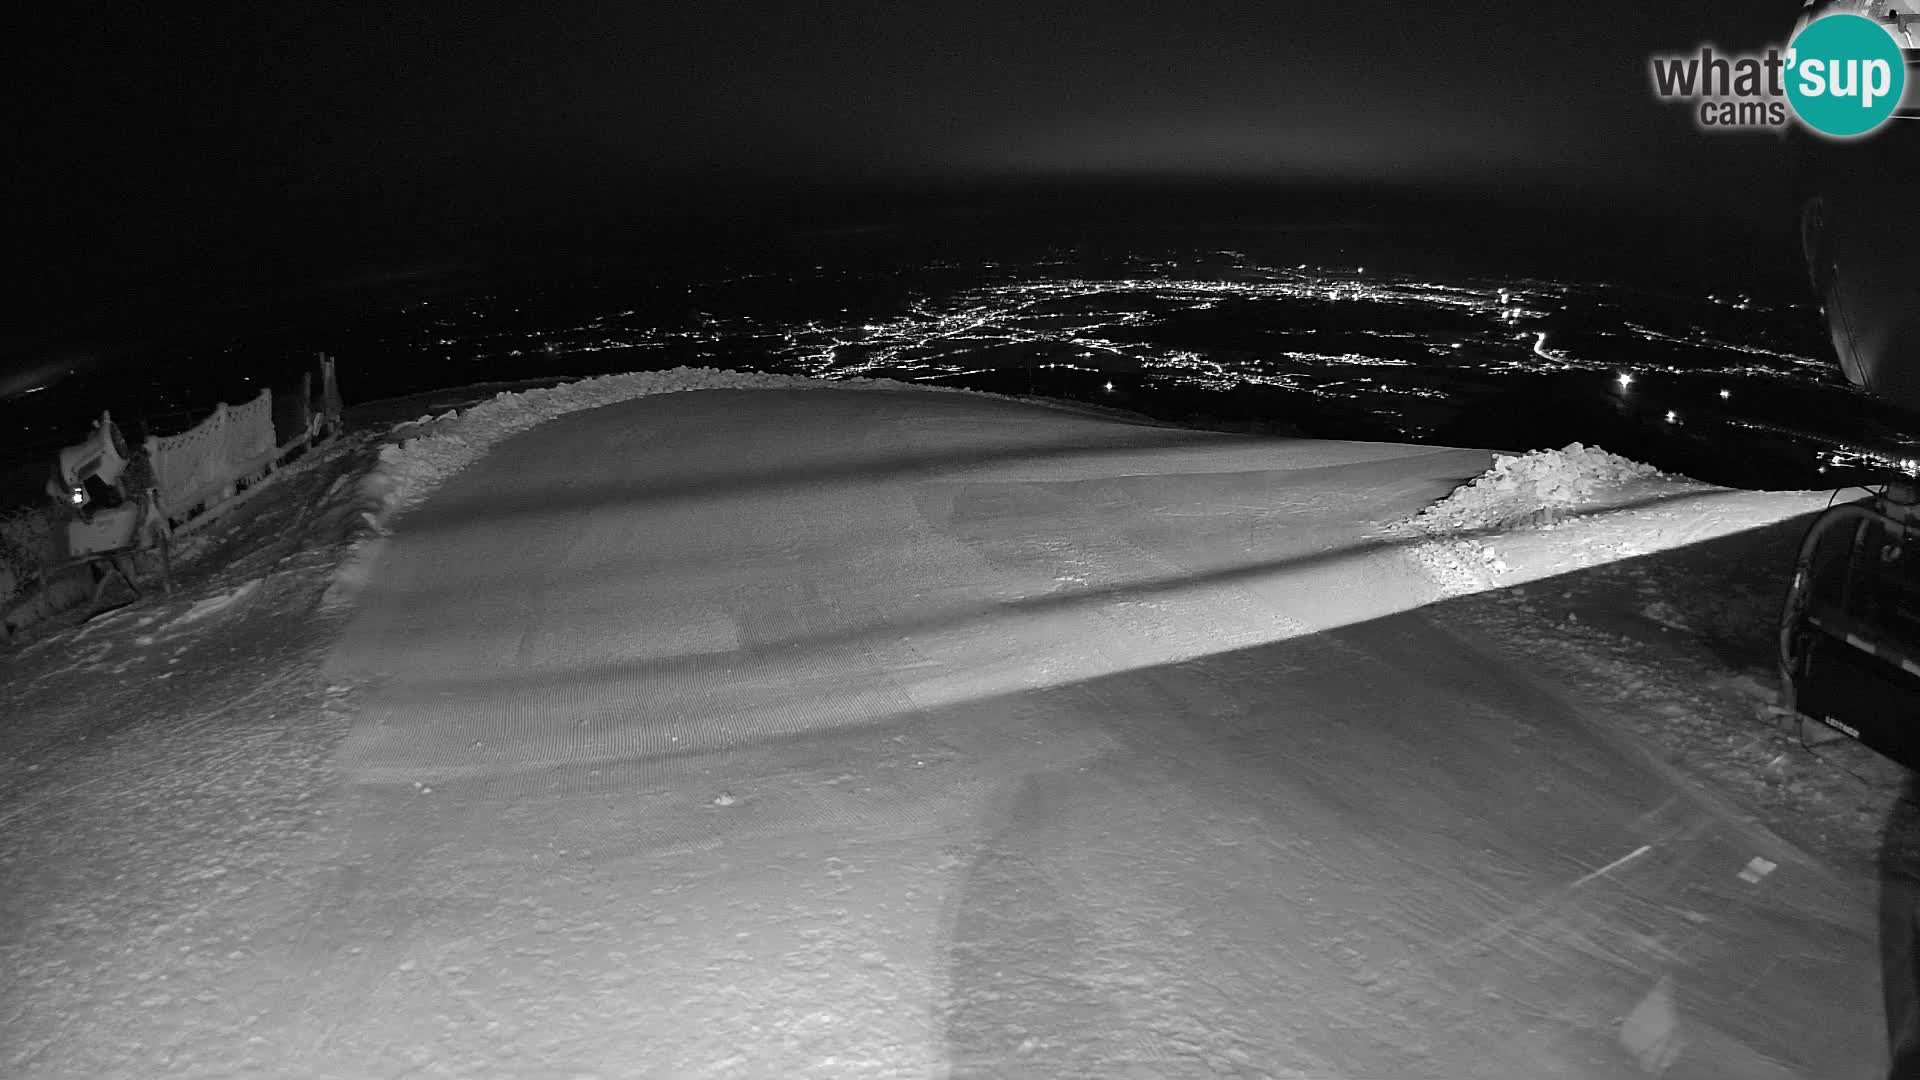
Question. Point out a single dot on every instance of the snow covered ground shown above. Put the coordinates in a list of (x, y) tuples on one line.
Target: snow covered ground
[(897, 733)]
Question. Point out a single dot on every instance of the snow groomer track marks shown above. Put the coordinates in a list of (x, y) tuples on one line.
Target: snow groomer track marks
[(894, 734)]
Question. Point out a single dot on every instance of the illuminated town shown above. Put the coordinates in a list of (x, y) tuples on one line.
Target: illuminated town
[(1325, 351), (1214, 337)]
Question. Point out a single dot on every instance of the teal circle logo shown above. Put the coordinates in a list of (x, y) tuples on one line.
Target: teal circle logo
[(1845, 75)]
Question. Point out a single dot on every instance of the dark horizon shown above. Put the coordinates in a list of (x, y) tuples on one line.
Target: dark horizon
[(188, 167), (1641, 243)]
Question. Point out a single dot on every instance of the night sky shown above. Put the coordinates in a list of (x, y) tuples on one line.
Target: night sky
[(189, 159)]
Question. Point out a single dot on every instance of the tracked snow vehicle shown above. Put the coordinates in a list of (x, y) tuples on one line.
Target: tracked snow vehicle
[(1850, 634)]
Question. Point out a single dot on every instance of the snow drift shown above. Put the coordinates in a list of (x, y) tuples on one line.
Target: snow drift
[(1545, 487), (1550, 512)]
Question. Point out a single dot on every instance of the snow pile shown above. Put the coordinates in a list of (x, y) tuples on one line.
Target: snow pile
[(1535, 489), (1526, 494), (1555, 512)]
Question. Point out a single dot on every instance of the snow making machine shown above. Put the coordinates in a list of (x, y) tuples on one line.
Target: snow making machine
[(107, 515), (1850, 632)]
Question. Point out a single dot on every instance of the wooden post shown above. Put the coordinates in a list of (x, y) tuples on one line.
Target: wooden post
[(159, 474), (166, 564), (330, 394)]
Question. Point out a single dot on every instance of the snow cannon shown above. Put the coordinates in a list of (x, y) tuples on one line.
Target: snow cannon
[(96, 492), (88, 475)]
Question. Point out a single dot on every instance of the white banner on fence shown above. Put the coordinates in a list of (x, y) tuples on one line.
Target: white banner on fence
[(203, 466)]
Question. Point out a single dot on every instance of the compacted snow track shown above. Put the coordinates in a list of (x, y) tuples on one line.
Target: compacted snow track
[(890, 734)]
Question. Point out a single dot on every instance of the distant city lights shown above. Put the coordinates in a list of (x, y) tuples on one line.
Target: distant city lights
[(1857, 457), (1392, 352)]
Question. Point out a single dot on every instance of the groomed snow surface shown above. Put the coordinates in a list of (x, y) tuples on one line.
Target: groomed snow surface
[(759, 733)]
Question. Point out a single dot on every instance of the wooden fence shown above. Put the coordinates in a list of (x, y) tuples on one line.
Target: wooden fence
[(202, 469)]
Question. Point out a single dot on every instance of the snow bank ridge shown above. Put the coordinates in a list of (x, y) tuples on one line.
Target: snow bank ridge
[(429, 450), (1534, 489), (441, 446)]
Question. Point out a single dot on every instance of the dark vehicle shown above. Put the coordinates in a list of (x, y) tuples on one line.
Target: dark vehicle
[(1850, 635)]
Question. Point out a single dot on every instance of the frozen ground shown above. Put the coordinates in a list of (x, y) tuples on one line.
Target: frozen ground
[(760, 733)]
